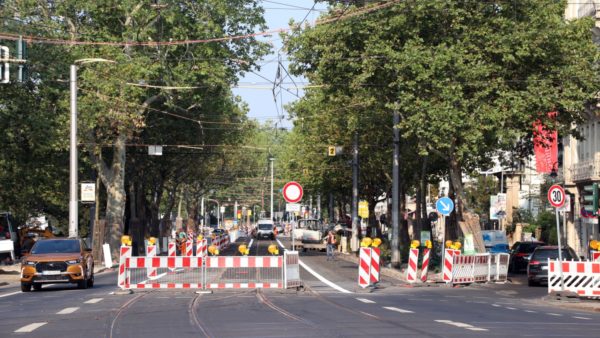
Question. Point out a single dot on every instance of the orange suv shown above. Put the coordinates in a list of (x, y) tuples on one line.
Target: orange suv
[(57, 260)]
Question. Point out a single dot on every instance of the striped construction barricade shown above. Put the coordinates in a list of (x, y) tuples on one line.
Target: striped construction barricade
[(136, 268), (448, 264), (411, 270), (425, 264), (151, 252), (595, 256), (368, 267), (122, 278), (581, 278), (243, 272), (499, 267), (481, 267)]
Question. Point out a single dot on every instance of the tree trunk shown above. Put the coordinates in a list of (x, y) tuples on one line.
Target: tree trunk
[(113, 178), (467, 221)]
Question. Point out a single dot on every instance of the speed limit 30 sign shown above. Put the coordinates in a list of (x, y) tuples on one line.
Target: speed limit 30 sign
[(556, 196)]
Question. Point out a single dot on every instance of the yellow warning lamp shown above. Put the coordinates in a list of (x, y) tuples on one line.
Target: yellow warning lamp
[(200, 237), (428, 244), (247, 252), (151, 240), (448, 244), (366, 242), (272, 248), (126, 240), (376, 242), (594, 244), (212, 249), (414, 244), (456, 246), (242, 248)]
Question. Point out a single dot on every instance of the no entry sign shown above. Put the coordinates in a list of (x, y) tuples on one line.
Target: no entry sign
[(556, 196), (292, 192)]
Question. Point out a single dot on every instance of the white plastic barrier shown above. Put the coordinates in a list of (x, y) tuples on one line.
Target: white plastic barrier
[(479, 268), (582, 278), (291, 276)]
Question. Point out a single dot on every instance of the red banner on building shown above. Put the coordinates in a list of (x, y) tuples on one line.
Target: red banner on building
[(545, 147)]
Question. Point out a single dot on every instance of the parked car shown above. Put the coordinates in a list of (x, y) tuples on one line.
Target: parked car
[(57, 260), (537, 269), (279, 228), (519, 253)]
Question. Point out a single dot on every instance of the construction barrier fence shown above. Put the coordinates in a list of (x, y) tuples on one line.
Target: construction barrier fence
[(479, 268), (208, 272), (581, 278)]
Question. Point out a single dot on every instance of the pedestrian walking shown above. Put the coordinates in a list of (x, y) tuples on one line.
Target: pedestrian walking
[(330, 245)]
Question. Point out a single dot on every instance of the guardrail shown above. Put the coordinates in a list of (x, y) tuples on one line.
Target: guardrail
[(479, 268)]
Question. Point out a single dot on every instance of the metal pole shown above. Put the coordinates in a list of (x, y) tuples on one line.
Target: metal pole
[(73, 177), (202, 212), (272, 160), (442, 220), (354, 241), (396, 193), (560, 259), (20, 57)]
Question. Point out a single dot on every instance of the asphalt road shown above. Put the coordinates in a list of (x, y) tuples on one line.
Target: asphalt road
[(392, 310)]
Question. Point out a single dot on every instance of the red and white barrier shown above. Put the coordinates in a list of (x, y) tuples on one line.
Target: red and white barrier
[(151, 252), (189, 248), (425, 264), (448, 264), (172, 252), (368, 267), (242, 272), (124, 253), (165, 281), (595, 256), (582, 278), (411, 270), (201, 247)]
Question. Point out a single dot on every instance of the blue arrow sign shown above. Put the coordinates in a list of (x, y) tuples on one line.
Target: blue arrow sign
[(444, 206)]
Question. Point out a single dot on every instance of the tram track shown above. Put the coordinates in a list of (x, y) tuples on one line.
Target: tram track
[(122, 308)]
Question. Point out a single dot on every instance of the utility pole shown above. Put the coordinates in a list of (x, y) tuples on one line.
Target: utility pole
[(73, 170), (355, 166), (396, 192)]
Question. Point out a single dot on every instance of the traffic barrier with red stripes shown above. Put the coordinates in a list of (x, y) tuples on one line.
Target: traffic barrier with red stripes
[(240, 272), (595, 255), (463, 269), (125, 252), (172, 252), (581, 278), (151, 252), (201, 247), (368, 267), (479, 268), (189, 248), (411, 270), (191, 278), (425, 264), (448, 264), (291, 276)]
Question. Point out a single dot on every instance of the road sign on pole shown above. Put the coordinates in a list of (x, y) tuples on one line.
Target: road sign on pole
[(444, 206), (292, 192), (556, 196)]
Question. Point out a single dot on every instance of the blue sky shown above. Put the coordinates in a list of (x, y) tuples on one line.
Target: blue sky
[(260, 99)]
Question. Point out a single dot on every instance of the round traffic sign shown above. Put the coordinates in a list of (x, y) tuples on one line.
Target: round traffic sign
[(292, 192), (556, 196)]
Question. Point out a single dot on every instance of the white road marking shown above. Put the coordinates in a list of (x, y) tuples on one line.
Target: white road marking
[(496, 305), (93, 300), (322, 279), (30, 327), (252, 241), (554, 314), (9, 294), (510, 308), (530, 311), (364, 300), (584, 318), (391, 308), (461, 325), (368, 314), (67, 310)]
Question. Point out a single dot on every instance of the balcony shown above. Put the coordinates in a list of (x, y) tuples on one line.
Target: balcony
[(586, 171)]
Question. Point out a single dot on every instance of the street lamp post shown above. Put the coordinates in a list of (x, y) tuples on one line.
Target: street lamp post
[(73, 155), (271, 159)]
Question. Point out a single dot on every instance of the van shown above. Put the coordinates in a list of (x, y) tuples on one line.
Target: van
[(264, 229)]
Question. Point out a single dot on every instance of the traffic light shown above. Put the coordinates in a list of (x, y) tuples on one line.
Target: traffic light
[(4, 65), (589, 204)]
